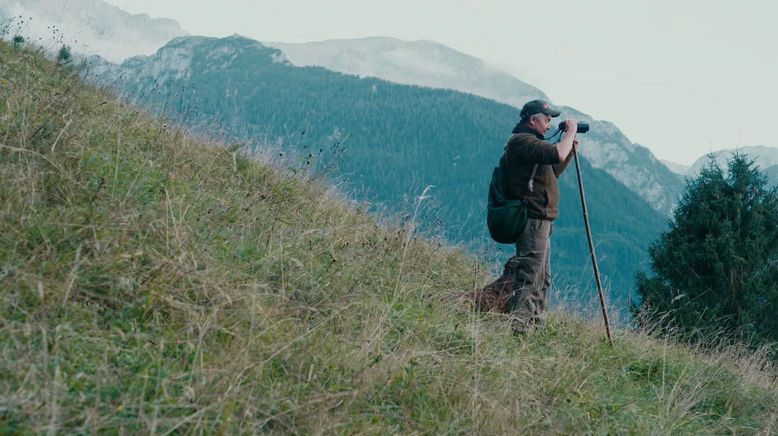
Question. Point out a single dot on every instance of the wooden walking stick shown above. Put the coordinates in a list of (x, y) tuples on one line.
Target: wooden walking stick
[(591, 249)]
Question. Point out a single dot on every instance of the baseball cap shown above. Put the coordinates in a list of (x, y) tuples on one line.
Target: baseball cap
[(537, 106)]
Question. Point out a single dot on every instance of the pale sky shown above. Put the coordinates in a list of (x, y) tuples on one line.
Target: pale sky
[(679, 77)]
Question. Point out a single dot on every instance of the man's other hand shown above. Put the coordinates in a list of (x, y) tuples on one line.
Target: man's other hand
[(571, 126)]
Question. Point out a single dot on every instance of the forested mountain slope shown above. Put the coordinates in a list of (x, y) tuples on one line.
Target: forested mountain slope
[(386, 143), (427, 63)]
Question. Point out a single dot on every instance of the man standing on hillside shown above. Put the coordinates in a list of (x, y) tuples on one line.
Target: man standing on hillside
[(533, 165)]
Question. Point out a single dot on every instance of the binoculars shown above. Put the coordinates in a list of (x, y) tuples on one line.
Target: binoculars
[(582, 127)]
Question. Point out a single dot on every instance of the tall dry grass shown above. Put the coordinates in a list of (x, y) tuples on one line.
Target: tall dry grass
[(156, 283)]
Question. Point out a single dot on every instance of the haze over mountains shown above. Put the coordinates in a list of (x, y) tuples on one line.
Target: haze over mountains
[(675, 167), (88, 26), (423, 63), (765, 157)]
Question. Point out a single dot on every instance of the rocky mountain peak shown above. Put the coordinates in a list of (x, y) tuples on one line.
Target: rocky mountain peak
[(89, 27), (422, 63)]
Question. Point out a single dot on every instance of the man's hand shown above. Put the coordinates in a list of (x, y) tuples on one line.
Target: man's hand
[(566, 144), (571, 126)]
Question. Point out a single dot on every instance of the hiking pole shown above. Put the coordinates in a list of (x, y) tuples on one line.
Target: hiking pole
[(591, 249)]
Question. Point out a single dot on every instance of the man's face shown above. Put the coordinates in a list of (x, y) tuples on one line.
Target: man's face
[(541, 123)]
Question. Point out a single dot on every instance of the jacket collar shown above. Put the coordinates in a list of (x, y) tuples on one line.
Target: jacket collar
[(523, 128)]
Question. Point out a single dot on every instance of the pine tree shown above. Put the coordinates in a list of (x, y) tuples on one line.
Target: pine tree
[(716, 268), (64, 56), (18, 41)]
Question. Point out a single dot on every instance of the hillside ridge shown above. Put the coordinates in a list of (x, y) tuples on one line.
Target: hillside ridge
[(154, 282)]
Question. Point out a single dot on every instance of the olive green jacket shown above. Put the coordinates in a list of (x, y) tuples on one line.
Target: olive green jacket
[(523, 150)]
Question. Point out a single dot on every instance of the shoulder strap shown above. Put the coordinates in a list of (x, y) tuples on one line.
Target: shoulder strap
[(531, 182)]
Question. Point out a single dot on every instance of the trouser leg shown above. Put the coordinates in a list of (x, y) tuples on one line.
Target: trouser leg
[(533, 274), (539, 316)]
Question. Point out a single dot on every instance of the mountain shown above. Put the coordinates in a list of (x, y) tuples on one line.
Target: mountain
[(422, 63), (384, 143), (772, 174), (89, 27), (94, 27), (680, 169), (426, 63), (608, 149), (764, 156)]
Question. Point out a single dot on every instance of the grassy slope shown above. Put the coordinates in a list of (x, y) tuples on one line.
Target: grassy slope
[(152, 282)]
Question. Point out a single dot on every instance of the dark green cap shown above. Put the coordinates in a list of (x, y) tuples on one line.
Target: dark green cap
[(538, 106)]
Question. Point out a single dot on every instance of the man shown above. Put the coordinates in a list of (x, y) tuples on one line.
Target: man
[(533, 166)]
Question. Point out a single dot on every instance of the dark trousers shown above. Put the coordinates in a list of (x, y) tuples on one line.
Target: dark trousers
[(533, 274)]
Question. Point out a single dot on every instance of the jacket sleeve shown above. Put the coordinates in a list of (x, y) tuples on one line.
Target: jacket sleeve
[(533, 150), (560, 167)]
